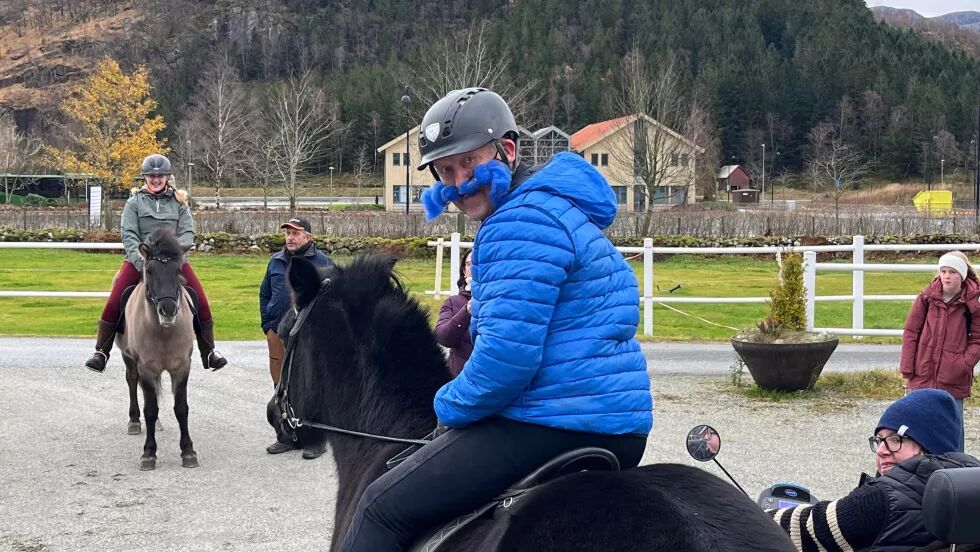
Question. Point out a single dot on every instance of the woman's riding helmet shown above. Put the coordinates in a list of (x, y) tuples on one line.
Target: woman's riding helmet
[(155, 164)]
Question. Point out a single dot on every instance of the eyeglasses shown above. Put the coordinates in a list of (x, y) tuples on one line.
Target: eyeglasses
[(893, 442)]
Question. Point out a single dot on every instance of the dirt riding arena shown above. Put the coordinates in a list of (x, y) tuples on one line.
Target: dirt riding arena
[(69, 477)]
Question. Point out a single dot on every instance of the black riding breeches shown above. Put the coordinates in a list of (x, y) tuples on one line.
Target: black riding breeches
[(460, 471)]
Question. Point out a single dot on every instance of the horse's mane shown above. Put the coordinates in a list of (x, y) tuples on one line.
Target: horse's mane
[(372, 356), (163, 243)]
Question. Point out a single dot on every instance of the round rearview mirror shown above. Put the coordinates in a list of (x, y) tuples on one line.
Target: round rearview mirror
[(703, 443)]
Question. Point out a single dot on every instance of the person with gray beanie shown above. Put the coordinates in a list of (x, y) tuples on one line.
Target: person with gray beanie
[(917, 435), (941, 341)]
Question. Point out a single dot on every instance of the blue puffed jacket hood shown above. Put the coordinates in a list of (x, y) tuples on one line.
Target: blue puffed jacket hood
[(555, 312), (571, 177)]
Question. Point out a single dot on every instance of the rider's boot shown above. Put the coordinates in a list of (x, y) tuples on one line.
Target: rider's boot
[(211, 358), (103, 344)]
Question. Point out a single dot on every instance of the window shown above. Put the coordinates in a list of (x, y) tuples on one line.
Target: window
[(674, 160), (595, 159), (684, 159), (639, 197), (396, 159), (605, 160), (620, 192), (406, 160), (398, 193), (670, 195)]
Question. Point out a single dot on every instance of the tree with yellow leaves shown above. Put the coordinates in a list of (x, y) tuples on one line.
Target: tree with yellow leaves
[(111, 126)]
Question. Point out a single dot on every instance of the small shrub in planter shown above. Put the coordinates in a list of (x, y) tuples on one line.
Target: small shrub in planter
[(779, 353)]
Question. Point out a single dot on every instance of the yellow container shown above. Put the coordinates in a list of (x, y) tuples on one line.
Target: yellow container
[(935, 202)]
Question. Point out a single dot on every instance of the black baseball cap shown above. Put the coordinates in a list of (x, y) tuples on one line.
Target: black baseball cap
[(297, 224)]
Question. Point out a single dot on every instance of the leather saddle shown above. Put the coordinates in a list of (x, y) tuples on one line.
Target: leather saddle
[(121, 323), (573, 461)]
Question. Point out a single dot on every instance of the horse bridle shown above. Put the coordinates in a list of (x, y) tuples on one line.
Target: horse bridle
[(288, 415), (150, 296)]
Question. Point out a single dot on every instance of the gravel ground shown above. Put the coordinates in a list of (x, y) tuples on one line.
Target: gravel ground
[(69, 477)]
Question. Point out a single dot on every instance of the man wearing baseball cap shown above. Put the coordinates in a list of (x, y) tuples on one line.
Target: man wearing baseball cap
[(274, 301)]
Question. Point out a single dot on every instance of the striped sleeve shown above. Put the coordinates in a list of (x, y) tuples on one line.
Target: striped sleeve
[(851, 523)]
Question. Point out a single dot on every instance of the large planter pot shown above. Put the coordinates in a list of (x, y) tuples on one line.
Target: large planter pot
[(785, 366)]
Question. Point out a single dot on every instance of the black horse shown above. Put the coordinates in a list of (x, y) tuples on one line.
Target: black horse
[(364, 358)]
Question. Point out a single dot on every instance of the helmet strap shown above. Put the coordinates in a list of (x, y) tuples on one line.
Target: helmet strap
[(502, 156)]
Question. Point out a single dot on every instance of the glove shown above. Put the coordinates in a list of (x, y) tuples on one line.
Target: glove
[(439, 430)]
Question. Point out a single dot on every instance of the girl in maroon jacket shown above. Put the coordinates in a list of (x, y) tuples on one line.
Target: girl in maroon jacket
[(941, 343), (453, 328)]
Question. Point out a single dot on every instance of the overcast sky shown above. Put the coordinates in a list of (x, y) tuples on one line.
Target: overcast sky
[(930, 8)]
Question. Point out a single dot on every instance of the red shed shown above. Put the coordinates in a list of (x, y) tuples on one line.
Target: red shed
[(733, 177)]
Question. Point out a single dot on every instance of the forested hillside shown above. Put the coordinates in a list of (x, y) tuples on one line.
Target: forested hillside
[(766, 71)]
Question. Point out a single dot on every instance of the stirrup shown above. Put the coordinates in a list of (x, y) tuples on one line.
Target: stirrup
[(92, 365), (215, 360)]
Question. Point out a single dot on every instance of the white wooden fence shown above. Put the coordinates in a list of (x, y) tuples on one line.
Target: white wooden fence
[(57, 245), (857, 267), (811, 267)]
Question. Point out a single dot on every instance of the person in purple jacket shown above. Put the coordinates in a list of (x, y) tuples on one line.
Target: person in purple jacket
[(453, 328)]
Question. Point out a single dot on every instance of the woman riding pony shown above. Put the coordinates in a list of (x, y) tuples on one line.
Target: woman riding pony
[(156, 204)]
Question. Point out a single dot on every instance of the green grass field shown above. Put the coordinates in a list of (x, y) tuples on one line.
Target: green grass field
[(232, 283)]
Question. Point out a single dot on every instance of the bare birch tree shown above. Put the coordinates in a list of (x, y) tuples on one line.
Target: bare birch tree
[(259, 166), (946, 152), (301, 119), (222, 108), (17, 152), (656, 152), (874, 115), (464, 59), (362, 168), (834, 164)]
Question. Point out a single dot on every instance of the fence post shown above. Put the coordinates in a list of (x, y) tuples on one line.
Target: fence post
[(647, 286), (453, 262), (857, 288), (438, 286), (810, 283)]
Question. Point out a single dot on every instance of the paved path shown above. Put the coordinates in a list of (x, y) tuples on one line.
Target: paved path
[(663, 358), (716, 358), (69, 478)]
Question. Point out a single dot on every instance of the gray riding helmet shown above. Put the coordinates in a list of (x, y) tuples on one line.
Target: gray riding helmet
[(154, 165), (462, 121)]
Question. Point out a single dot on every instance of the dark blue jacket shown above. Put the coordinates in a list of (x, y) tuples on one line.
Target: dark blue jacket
[(274, 291), (555, 312)]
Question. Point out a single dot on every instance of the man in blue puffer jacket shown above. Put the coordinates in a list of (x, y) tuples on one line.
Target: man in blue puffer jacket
[(555, 363)]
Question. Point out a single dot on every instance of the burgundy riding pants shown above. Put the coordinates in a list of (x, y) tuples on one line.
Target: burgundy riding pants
[(129, 276)]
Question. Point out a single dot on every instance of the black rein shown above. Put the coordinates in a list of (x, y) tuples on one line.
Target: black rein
[(286, 412)]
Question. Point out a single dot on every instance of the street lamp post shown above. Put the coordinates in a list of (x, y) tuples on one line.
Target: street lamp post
[(728, 184), (772, 184), (189, 167), (763, 170), (406, 100), (942, 171), (190, 179), (975, 145), (330, 168)]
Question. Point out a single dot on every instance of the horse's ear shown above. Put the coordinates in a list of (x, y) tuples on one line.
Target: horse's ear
[(304, 281), (389, 262), (144, 251)]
